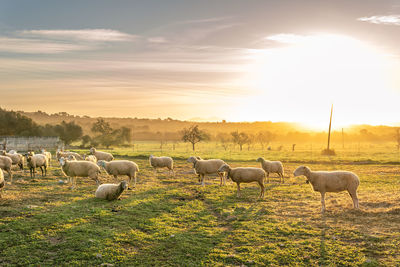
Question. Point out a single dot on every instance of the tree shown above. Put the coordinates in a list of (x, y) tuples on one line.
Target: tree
[(240, 138), (102, 127), (13, 123), (193, 135), (68, 131), (86, 139), (264, 138), (225, 139)]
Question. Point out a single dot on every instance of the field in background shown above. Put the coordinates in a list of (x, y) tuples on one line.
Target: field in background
[(174, 221), (352, 153)]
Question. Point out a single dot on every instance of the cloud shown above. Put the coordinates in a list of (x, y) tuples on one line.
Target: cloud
[(157, 40), (385, 20), (99, 35), (33, 46), (287, 38)]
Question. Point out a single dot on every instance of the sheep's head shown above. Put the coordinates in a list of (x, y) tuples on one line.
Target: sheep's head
[(62, 161), (29, 158), (151, 156), (3, 152), (302, 170), (101, 163), (123, 185), (259, 159), (192, 159), (224, 168), (92, 150)]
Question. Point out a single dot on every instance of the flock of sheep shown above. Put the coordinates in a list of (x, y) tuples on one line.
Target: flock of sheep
[(74, 165)]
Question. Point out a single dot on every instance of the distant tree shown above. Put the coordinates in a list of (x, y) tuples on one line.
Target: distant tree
[(13, 123), (68, 131), (102, 127), (224, 139), (86, 139), (264, 138), (240, 138), (193, 135), (250, 141)]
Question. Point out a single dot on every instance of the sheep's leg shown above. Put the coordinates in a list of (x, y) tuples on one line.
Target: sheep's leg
[(323, 201), (202, 179), (355, 199), (262, 189), (41, 168), (238, 190), (115, 177), (10, 175), (45, 170), (221, 178), (267, 177)]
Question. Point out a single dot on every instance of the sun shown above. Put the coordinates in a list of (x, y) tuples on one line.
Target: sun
[(299, 80)]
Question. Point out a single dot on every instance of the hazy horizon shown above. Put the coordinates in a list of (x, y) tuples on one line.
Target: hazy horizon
[(285, 61)]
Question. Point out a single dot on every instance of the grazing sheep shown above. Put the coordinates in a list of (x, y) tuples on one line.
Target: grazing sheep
[(121, 167), (5, 164), (65, 154), (91, 158), (245, 175), (17, 159), (111, 191), (35, 161), (47, 154), (272, 167), (2, 182), (79, 168), (209, 166), (162, 162), (100, 155), (331, 181)]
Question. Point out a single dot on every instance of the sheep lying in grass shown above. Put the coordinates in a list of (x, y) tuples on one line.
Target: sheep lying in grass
[(5, 164), (121, 167), (79, 168), (245, 175), (162, 162), (272, 167), (37, 161), (331, 181), (17, 159), (47, 154), (100, 155), (111, 191), (91, 158), (2, 181), (209, 166)]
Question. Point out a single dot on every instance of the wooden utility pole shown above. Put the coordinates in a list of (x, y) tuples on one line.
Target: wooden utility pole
[(329, 133)]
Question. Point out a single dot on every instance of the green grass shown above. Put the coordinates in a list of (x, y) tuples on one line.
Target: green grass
[(172, 221)]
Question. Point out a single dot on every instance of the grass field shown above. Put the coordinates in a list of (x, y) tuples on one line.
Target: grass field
[(172, 221)]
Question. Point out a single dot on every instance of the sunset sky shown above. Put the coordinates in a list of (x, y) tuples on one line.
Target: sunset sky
[(226, 59)]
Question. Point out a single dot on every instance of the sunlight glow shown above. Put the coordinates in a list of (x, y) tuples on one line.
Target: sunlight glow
[(309, 73)]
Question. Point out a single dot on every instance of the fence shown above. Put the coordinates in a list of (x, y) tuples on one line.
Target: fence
[(29, 143)]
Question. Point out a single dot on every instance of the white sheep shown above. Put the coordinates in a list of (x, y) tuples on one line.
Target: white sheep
[(91, 158), (121, 167), (79, 168), (5, 164), (272, 167), (37, 161), (64, 154), (245, 175), (162, 162), (100, 155), (17, 159), (47, 154), (110, 191), (12, 151), (209, 166), (2, 181), (331, 181)]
